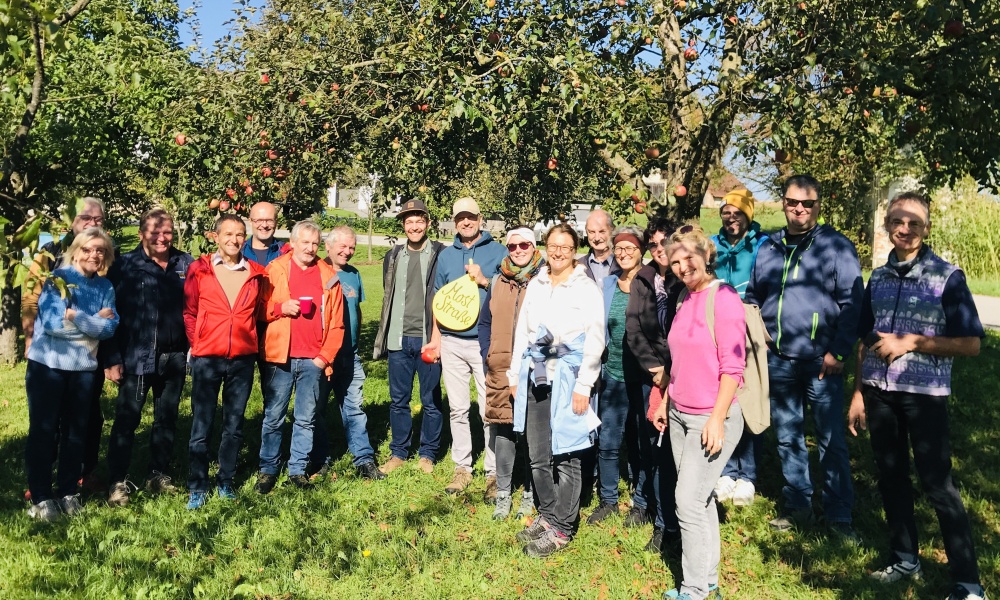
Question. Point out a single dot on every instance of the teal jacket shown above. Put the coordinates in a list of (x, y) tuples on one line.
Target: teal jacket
[(735, 263)]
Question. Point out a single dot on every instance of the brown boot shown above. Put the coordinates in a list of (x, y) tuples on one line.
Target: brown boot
[(426, 465), (490, 495), (461, 481), (394, 463)]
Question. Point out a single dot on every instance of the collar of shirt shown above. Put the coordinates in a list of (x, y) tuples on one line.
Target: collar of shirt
[(240, 266)]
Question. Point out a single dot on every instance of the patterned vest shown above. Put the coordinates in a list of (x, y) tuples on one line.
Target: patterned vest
[(910, 304)]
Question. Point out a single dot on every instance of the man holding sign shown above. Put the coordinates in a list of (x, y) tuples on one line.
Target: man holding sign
[(475, 255)]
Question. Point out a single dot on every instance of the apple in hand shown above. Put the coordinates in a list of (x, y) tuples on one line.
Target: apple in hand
[(428, 356)]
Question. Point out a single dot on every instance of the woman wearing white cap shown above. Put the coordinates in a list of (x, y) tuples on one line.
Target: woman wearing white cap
[(496, 341)]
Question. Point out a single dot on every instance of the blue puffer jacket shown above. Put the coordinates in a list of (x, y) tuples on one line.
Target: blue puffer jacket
[(486, 252), (734, 263), (145, 294), (569, 430), (810, 294)]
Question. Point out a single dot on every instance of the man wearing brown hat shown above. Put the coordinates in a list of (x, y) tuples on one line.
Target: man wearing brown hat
[(408, 273), (737, 243)]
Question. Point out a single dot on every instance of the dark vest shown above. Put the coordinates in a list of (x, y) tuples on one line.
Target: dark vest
[(505, 303)]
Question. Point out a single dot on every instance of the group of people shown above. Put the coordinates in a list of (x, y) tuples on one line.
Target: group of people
[(572, 360)]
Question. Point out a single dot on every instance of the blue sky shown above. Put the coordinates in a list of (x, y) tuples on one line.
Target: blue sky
[(212, 14)]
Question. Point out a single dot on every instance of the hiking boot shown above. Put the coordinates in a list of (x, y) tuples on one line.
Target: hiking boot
[(158, 483), (605, 510), (392, 464), (426, 465), (670, 542), (196, 500), (503, 504), (226, 492), (725, 488), (533, 531), (368, 470), (845, 532), (71, 505), (896, 571), (46, 510), (459, 482), (546, 545), (960, 592), (655, 544), (744, 493), (300, 481), (265, 483), (527, 506), (637, 516), (118, 494), (791, 519), (490, 495)]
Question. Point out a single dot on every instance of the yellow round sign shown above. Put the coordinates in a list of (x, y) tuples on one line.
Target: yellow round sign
[(456, 305)]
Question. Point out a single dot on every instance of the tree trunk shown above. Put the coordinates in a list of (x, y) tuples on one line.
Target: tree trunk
[(10, 315)]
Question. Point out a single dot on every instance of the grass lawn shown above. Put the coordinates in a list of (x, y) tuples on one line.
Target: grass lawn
[(404, 537)]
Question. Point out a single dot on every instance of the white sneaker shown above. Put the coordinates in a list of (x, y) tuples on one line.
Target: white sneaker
[(743, 493), (724, 488)]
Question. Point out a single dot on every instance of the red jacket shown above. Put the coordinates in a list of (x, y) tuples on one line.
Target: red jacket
[(212, 326)]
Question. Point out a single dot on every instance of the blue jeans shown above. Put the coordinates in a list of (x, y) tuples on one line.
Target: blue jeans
[(793, 383), (209, 374), (345, 384), (277, 381), (166, 383), (403, 365), (657, 478), (58, 409), (613, 409), (743, 463)]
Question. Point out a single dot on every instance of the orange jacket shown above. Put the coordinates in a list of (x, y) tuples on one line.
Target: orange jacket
[(277, 339)]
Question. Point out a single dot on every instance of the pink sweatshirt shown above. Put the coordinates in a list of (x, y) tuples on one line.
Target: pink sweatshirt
[(697, 365)]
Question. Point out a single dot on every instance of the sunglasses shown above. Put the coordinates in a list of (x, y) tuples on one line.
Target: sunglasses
[(792, 203), (518, 246), (686, 229)]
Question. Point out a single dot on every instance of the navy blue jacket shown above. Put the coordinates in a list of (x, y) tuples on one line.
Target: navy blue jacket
[(486, 252), (810, 294), (144, 294), (273, 251)]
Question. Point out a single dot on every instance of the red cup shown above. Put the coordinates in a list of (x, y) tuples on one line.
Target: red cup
[(306, 305)]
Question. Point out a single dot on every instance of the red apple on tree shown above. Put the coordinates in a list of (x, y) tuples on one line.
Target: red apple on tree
[(213, 203), (690, 54), (652, 153), (272, 155), (266, 171), (639, 207), (231, 193), (180, 139), (680, 191), (493, 38), (265, 79), (954, 28), (552, 164), (621, 2), (224, 205), (247, 191)]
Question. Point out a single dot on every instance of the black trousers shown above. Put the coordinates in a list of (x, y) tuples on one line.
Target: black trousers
[(557, 479), (897, 420)]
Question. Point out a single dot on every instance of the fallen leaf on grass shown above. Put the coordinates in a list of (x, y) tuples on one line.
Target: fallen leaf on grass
[(383, 526), (637, 567), (603, 594)]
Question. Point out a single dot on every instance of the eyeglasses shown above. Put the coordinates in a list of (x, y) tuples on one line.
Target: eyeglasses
[(519, 246), (91, 251), (792, 202), (560, 249), (95, 219), (263, 221), (627, 250), (910, 225)]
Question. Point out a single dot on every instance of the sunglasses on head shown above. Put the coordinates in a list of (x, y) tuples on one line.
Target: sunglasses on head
[(792, 203), (518, 246), (686, 229)]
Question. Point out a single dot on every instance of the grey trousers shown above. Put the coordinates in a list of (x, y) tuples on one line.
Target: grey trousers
[(504, 442), (697, 474), (558, 479)]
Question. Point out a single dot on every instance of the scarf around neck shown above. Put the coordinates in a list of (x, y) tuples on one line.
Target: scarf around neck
[(521, 274)]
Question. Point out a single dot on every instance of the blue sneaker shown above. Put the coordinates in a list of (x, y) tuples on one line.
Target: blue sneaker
[(675, 595), (196, 500), (226, 492)]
